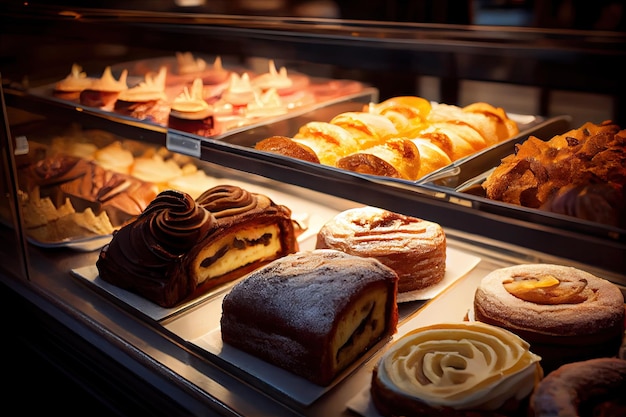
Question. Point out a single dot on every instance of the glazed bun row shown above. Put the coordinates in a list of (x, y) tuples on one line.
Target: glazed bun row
[(404, 137)]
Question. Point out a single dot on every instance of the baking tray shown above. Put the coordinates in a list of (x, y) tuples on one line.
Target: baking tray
[(528, 124)]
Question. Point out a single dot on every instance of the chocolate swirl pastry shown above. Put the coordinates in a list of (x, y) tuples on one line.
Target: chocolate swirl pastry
[(566, 314), (178, 249), (122, 196), (147, 256), (51, 171), (455, 369)]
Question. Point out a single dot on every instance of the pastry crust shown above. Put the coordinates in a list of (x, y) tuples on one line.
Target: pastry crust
[(396, 157), (588, 387), (565, 313), (414, 248), (312, 313), (285, 146)]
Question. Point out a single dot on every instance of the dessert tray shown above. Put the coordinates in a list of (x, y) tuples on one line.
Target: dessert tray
[(228, 118)]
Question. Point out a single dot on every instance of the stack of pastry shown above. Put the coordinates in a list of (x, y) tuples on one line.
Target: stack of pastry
[(46, 222), (414, 248), (403, 137), (581, 173)]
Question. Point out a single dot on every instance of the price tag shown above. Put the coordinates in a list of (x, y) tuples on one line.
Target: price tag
[(176, 142), (21, 145)]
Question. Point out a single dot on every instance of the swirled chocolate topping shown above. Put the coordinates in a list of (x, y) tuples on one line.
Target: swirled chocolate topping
[(142, 255), (176, 221), (229, 200)]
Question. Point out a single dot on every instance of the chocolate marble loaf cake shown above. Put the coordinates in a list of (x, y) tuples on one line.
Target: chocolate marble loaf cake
[(179, 248), (312, 313)]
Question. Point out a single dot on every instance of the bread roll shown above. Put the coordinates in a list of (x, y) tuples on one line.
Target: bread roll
[(432, 157), (329, 142), (367, 128), (285, 146), (395, 157)]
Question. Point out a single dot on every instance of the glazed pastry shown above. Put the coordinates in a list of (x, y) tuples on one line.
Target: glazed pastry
[(594, 387), (285, 146), (432, 157), (455, 370), (447, 138), (410, 108), (395, 157), (504, 127), (414, 248), (565, 313), (329, 142), (312, 313), (368, 129), (178, 248)]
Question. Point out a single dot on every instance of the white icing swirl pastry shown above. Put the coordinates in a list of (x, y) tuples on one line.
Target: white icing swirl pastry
[(461, 366)]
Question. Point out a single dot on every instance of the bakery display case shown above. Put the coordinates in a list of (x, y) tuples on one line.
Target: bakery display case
[(77, 169)]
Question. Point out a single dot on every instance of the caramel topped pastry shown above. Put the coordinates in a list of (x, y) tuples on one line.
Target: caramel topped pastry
[(565, 313)]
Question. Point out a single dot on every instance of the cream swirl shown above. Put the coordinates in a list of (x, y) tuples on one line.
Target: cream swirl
[(465, 366), (229, 200)]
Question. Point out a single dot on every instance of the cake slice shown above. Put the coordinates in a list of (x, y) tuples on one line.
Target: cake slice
[(312, 313)]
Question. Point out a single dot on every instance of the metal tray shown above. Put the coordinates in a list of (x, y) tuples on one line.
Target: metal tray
[(462, 185), (346, 90)]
